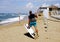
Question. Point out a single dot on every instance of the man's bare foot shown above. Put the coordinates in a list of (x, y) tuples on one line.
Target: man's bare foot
[(36, 36)]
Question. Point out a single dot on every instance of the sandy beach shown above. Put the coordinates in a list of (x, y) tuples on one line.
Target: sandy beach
[(16, 32)]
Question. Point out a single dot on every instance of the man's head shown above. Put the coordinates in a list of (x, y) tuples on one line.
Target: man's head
[(30, 12)]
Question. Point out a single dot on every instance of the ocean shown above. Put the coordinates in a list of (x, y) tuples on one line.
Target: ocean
[(12, 17)]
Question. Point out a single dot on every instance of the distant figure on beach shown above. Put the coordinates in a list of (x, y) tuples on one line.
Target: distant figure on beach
[(32, 21)]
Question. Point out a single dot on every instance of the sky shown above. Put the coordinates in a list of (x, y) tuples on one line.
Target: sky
[(23, 6)]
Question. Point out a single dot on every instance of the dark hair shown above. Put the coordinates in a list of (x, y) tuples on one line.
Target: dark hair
[(30, 12)]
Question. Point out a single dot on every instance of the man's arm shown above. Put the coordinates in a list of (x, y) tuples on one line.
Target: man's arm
[(36, 16), (28, 21)]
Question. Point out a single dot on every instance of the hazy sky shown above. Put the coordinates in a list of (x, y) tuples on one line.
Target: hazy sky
[(13, 6)]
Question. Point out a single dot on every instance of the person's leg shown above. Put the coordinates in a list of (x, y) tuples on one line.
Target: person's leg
[(36, 30)]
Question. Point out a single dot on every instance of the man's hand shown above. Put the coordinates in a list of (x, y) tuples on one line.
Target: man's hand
[(28, 27)]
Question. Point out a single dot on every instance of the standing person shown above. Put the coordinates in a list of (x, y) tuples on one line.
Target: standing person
[(32, 21)]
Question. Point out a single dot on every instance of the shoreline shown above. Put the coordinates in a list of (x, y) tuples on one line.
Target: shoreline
[(14, 19)]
